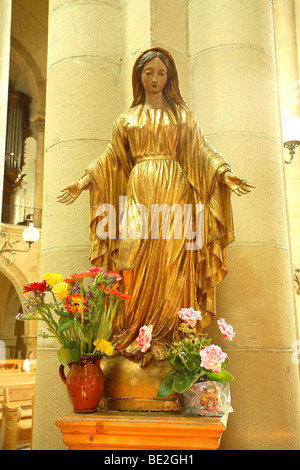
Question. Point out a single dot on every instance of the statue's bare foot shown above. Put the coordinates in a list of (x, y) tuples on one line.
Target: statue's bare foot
[(146, 360), (159, 352)]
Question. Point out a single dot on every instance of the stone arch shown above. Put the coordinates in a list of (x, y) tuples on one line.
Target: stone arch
[(13, 280), (27, 77)]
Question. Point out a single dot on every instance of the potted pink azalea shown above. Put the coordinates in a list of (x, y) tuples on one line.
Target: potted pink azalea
[(198, 366)]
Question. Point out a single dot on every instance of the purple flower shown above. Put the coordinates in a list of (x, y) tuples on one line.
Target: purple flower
[(20, 316)]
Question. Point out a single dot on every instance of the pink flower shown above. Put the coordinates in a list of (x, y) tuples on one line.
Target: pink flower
[(226, 330), (212, 357), (94, 271), (190, 315), (144, 338)]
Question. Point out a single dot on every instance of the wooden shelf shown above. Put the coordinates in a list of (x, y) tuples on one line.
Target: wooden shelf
[(122, 430)]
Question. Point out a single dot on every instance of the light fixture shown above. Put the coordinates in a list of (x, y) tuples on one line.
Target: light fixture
[(291, 134), (30, 235)]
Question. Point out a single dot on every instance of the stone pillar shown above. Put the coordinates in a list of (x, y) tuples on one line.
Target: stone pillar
[(147, 23), (39, 124), (287, 24), (83, 99), (5, 18), (234, 91)]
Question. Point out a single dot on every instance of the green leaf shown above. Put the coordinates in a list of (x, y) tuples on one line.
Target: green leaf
[(65, 324), (224, 364), (223, 376), (177, 363), (192, 362), (62, 313), (166, 387), (64, 356), (184, 380), (75, 355)]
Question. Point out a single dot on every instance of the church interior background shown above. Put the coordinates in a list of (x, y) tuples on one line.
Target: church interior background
[(66, 67)]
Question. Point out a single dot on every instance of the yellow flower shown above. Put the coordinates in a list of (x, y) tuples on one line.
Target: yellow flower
[(52, 279), (61, 290), (104, 346)]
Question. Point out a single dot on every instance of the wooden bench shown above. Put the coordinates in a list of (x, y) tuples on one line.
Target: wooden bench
[(12, 364), (17, 414)]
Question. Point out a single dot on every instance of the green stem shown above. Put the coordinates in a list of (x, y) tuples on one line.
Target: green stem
[(82, 322)]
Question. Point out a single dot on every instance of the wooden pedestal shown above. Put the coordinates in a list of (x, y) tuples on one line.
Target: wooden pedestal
[(122, 430)]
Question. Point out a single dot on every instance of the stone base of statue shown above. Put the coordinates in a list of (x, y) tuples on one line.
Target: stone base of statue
[(128, 387)]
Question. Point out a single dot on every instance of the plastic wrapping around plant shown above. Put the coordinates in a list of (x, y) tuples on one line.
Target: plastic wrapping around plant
[(207, 399)]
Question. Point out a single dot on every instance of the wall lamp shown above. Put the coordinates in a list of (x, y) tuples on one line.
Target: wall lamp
[(30, 235), (291, 135)]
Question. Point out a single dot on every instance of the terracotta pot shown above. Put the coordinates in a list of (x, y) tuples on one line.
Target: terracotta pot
[(85, 383)]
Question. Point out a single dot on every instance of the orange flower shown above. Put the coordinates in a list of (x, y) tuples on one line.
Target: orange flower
[(74, 303), (120, 294), (117, 276), (114, 273), (70, 281), (81, 275)]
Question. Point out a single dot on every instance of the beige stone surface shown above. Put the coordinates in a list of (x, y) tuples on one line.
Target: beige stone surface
[(230, 23), (254, 222), (136, 21), (52, 401), (260, 395), (228, 94), (91, 98), (264, 315), (5, 15), (164, 23), (92, 36)]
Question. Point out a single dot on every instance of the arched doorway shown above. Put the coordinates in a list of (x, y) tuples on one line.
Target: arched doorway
[(17, 336), (10, 331)]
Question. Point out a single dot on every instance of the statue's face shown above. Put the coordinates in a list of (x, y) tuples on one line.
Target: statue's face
[(154, 76)]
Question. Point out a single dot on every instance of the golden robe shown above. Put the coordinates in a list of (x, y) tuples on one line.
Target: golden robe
[(159, 156)]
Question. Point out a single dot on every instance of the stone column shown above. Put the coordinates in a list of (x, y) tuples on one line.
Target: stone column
[(147, 23), (39, 124), (235, 96), (83, 99), (287, 24), (5, 16)]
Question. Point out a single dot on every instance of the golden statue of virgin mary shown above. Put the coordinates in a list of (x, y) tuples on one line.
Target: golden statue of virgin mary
[(158, 160)]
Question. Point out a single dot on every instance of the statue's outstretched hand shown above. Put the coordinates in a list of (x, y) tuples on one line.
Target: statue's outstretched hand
[(70, 193), (237, 184)]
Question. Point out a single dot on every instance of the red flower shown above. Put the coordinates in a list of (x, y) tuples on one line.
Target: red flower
[(36, 286), (94, 271)]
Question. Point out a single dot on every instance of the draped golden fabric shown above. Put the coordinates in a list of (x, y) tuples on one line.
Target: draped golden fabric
[(159, 156)]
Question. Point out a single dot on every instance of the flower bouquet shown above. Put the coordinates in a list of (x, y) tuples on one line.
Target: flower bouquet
[(198, 366), (81, 318)]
